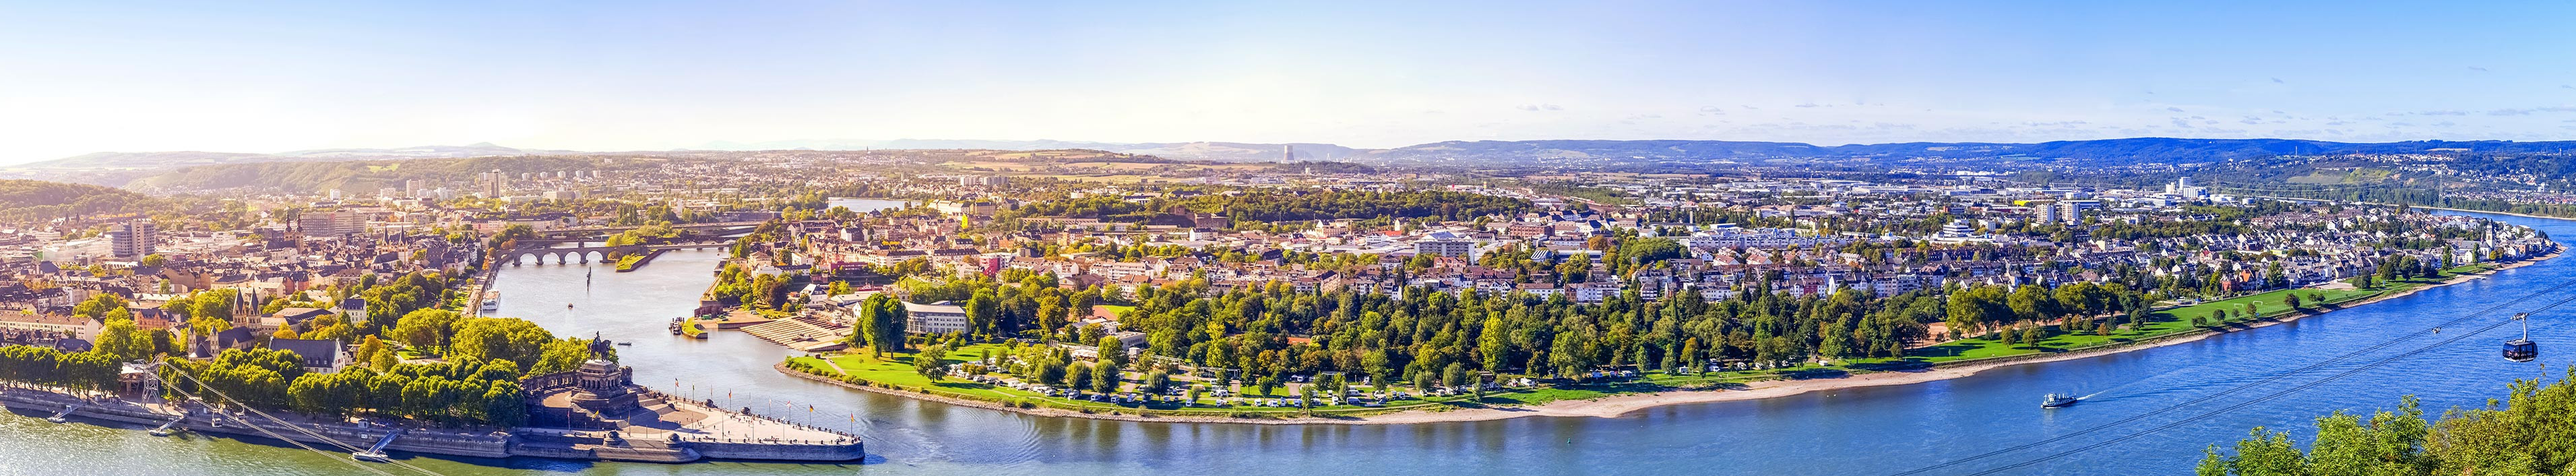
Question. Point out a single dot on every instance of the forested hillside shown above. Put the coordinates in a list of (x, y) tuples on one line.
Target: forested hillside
[(30, 200), (310, 177)]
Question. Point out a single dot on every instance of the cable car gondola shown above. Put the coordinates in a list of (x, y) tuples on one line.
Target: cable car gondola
[(2523, 349)]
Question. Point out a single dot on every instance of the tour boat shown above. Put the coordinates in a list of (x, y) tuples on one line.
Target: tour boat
[(491, 301), (2059, 401)]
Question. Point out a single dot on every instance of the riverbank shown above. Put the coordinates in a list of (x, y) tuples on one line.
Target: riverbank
[(1614, 406), (1621, 404)]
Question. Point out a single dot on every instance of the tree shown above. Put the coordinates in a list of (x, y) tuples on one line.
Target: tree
[(384, 361), (564, 355), (2033, 303), (118, 339), (931, 362), (983, 313), (1104, 377), (883, 317), (98, 307), (1112, 350), (1050, 373), (1157, 381), (507, 339), (2398, 443), (509, 237), (155, 260), (428, 328), (1493, 346), (1975, 308), (1077, 375)]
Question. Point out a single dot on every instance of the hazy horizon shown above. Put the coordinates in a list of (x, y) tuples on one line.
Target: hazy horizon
[(172, 76)]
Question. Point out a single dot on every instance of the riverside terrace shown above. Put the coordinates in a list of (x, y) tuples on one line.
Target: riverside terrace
[(598, 414)]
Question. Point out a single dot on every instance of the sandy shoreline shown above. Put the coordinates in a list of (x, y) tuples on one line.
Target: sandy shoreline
[(1614, 406)]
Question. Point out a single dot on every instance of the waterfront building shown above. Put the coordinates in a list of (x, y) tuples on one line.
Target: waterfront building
[(937, 318)]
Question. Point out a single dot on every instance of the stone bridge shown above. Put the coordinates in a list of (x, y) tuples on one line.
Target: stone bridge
[(583, 254)]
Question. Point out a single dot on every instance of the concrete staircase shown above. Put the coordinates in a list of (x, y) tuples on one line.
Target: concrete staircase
[(801, 333)]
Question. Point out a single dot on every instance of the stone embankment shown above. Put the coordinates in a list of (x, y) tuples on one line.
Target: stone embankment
[(494, 443)]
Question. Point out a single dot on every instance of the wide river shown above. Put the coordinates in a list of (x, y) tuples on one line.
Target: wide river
[(1878, 430)]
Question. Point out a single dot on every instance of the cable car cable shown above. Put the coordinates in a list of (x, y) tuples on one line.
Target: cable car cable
[(2278, 376)]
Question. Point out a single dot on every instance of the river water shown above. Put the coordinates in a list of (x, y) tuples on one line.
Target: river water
[(1877, 430)]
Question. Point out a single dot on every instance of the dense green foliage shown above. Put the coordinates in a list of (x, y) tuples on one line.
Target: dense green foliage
[(2525, 434), (463, 390), (46, 366)]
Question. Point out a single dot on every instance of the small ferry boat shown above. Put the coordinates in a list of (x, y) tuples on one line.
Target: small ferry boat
[(491, 301), (2059, 401)]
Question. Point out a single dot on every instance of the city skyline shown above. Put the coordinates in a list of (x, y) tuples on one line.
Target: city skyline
[(149, 76)]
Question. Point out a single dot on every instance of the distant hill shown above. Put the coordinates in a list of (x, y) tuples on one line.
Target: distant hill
[(1243, 152), (1217, 151), (362, 176), (176, 159), (149, 169), (24, 200), (2103, 152), (2085, 152)]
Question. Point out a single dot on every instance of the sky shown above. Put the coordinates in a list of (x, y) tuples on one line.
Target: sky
[(90, 76)]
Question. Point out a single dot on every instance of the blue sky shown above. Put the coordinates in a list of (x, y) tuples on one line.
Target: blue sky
[(79, 77)]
